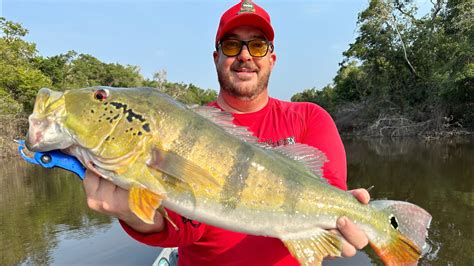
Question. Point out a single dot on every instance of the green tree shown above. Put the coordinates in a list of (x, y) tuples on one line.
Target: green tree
[(19, 78), (323, 97), (186, 93), (410, 65)]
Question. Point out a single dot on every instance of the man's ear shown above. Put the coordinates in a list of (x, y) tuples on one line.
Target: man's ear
[(273, 59), (215, 55)]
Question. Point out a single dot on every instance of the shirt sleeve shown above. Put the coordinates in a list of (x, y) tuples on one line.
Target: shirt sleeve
[(321, 133), (189, 232)]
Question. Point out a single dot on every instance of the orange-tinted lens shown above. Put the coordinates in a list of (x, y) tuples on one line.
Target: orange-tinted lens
[(257, 48), (231, 47)]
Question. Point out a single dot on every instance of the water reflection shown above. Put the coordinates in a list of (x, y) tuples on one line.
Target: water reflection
[(436, 175), (44, 218), (36, 205)]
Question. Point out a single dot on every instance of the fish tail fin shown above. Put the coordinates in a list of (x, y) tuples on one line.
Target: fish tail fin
[(407, 239)]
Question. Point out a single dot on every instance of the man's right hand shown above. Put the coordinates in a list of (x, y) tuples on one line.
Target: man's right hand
[(105, 197)]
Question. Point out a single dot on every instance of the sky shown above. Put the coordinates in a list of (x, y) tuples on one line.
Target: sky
[(178, 36)]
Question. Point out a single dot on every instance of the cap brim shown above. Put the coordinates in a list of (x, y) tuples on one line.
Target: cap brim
[(249, 19)]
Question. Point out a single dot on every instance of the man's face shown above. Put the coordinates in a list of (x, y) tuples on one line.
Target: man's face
[(244, 76)]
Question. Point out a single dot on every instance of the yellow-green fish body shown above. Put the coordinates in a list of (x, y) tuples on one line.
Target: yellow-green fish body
[(195, 162)]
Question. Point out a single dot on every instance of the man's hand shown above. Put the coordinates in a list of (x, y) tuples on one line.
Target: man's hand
[(354, 238), (105, 197)]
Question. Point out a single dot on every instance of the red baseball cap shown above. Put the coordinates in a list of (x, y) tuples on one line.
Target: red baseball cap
[(245, 13)]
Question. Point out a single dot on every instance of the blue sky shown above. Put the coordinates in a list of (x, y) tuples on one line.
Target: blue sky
[(178, 35)]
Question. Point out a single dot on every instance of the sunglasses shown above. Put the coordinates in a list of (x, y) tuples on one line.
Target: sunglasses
[(257, 47)]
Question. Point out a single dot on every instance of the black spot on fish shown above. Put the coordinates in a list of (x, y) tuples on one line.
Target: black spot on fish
[(146, 127), (100, 120), (92, 111), (111, 112), (130, 113), (106, 109), (116, 116), (107, 138), (139, 133), (107, 118)]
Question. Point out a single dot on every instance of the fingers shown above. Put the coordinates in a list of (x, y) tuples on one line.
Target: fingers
[(361, 195), (91, 182), (354, 237), (104, 196)]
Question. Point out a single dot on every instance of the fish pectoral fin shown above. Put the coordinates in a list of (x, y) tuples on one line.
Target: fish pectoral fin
[(180, 168), (143, 203), (311, 247)]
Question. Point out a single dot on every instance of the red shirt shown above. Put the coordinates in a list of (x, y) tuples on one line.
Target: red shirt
[(279, 122)]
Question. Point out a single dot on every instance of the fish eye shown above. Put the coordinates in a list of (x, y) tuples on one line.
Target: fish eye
[(393, 222), (101, 94)]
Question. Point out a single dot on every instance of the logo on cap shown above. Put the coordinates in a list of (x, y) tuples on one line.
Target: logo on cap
[(247, 7)]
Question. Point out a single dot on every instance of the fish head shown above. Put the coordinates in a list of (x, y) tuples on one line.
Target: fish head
[(108, 123), (45, 132)]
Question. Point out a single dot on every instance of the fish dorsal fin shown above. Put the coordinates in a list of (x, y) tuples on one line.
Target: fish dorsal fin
[(312, 246), (225, 120), (308, 156)]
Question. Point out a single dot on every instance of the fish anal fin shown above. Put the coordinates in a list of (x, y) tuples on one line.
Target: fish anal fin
[(144, 203), (310, 248)]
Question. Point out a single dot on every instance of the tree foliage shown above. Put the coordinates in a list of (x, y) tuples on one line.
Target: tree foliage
[(23, 72), (408, 64), (19, 79), (186, 93)]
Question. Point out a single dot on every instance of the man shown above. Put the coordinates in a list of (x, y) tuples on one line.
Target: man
[(244, 59)]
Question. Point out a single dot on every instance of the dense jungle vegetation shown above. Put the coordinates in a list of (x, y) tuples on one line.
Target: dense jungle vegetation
[(23, 72), (406, 73)]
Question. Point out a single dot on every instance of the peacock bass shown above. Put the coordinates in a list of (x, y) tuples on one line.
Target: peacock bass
[(196, 162)]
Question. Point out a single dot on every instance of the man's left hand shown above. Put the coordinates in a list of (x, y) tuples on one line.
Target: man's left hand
[(354, 237)]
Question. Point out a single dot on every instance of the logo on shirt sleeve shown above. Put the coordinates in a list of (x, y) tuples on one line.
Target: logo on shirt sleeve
[(193, 223), (284, 141)]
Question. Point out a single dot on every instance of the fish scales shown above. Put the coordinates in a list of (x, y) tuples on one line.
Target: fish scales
[(268, 185), (196, 163)]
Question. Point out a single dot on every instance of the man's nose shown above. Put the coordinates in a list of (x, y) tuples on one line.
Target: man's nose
[(244, 54)]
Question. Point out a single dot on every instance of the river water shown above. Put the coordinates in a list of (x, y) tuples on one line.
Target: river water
[(44, 218)]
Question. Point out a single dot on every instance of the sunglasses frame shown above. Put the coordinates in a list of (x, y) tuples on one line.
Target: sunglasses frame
[(242, 43)]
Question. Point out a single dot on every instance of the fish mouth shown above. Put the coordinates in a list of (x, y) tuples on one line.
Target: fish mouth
[(45, 132)]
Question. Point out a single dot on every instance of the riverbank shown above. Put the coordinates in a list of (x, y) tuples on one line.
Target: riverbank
[(11, 127), (352, 124)]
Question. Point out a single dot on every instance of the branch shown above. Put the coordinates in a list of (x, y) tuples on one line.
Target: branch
[(436, 8), (412, 69), (399, 7)]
